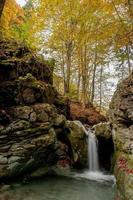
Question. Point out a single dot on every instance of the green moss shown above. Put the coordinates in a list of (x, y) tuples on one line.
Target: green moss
[(37, 129)]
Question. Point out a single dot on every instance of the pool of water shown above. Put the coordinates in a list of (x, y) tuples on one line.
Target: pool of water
[(61, 188)]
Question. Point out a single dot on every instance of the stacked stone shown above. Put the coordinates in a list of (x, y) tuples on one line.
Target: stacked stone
[(35, 136)]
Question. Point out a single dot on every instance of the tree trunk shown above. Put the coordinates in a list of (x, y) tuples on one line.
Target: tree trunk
[(84, 76), (101, 74), (63, 70), (93, 78), (2, 3), (128, 59), (88, 81), (79, 77), (83, 70), (68, 63)]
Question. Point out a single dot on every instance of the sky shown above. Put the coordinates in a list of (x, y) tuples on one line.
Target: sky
[(21, 2)]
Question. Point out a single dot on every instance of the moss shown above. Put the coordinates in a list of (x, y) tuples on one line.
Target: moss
[(37, 129), (22, 61), (28, 76)]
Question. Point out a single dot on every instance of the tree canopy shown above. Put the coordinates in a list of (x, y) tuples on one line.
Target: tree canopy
[(90, 42)]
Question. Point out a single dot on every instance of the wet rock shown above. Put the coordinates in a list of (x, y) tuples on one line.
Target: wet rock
[(77, 137), (103, 130)]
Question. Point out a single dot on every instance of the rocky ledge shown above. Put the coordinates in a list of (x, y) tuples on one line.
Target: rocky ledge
[(121, 118), (35, 136)]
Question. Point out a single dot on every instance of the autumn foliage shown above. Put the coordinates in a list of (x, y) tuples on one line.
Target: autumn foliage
[(12, 16), (87, 115)]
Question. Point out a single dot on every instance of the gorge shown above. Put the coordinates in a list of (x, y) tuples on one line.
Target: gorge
[(38, 137)]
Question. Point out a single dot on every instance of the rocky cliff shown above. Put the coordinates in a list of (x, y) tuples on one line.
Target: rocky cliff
[(121, 118), (35, 135)]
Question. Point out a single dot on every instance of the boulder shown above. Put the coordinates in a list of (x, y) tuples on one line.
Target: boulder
[(78, 136), (103, 129)]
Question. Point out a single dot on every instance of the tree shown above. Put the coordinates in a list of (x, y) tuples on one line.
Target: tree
[(85, 38), (12, 17), (2, 3)]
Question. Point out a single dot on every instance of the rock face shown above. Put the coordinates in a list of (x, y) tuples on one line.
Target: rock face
[(103, 132), (35, 136), (17, 60), (77, 137), (121, 117)]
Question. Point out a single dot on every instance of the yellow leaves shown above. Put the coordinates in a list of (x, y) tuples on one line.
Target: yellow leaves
[(57, 21), (12, 15)]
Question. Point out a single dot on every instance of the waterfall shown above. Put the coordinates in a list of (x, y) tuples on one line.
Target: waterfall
[(93, 172), (92, 152)]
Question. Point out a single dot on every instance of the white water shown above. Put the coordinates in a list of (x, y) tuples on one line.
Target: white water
[(92, 152), (93, 172), (96, 176)]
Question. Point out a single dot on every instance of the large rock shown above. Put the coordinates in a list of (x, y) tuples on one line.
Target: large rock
[(78, 137), (34, 138), (26, 78), (17, 60), (38, 138), (103, 130), (26, 90), (121, 117)]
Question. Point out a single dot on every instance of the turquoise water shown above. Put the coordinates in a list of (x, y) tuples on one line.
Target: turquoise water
[(60, 188)]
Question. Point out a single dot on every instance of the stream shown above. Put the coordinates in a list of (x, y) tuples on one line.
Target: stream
[(90, 184), (61, 188)]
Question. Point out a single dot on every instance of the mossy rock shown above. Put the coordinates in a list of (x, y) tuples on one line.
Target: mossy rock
[(26, 90), (17, 60)]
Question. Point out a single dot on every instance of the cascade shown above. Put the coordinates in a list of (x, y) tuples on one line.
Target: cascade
[(92, 152), (93, 172)]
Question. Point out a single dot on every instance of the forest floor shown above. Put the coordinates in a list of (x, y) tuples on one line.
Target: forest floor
[(89, 115)]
